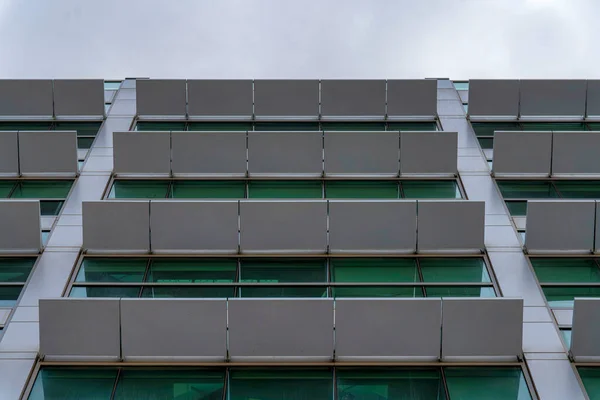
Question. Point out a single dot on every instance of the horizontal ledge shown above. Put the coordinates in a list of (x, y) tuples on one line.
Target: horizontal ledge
[(193, 251), (70, 358), (387, 359), (282, 359), (508, 358), (180, 359)]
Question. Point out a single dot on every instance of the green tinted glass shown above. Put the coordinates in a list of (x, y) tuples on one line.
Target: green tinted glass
[(192, 271), (144, 189), (517, 208), (112, 85), (484, 383), (84, 142), (9, 295), (488, 128), (454, 270), (353, 126), (74, 384), (25, 126), (289, 270), (461, 85), (160, 126), (594, 126), (286, 126), (283, 291), (562, 296), (104, 291), (82, 128), (375, 270), (553, 126), (430, 190), (486, 142), (566, 334), (112, 270), (42, 190), (412, 126), (377, 291), (6, 187), (527, 190), (579, 189), (460, 291), (15, 269), (566, 270), (50, 207), (278, 384), (285, 190), (188, 292), (220, 126), (209, 189), (590, 376), (361, 189)]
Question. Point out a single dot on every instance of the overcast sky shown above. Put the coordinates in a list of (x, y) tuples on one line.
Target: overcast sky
[(299, 39)]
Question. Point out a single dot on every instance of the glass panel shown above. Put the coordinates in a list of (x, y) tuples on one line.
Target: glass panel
[(15, 269), (562, 296), (286, 126), (361, 189), (9, 295), (454, 270), (283, 291), (461, 85), (112, 270), (389, 384), (566, 334), (377, 291), (430, 190), (6, 187), (460, 291), (84, 142), (192, 271), (104, 291), (74, 384), (42, 190), (209, 189), (594, 126), (466, 107), (579, 189), (412, 126), (484, 383), (574, 270), (353, 126), (554, 126), (279, 384), (488, 129), (590, 377), (50, 207), (190, 292), (139, 190), (527, 190), (160, 126), (82, 128), (220, 126), (517, 208), (25, 126), (374, 270), (285, 190), (172, 383), (112, 85), (486, 142), (45, 237)]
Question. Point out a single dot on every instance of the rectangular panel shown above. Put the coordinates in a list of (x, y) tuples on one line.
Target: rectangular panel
[(21, 228), (388, 330), (593, 98), (80, 329), (362, 153), (119, 226), (575, 153), (412, 97), (560, 225), (220, 98), (289, 98), (482, 329), (26, 98), (450, 225), (161, 97), (557, 98), (283, 226), (428, 153), (142, 153), (285, 153), (174, 329), (585, 346), (51, 153), (522, 153), (9, 154), (281, 329), (194, 226), (493, 98), (78, 97), (208, 153), (353, 98), (372, 226)]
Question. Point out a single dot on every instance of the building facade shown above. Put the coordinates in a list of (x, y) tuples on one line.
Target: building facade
[(299, 239)]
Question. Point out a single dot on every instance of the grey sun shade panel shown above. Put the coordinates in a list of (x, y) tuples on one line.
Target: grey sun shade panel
[(142, 153), (220, 98), (428, 153), (412, 97), (283, 226), (372, 226), (585, 346), (208, 153), (194, 226), (26, 98), (575, 153), (155, 97), (482, 329), (20, 220), (452, 225), (388, 329), (149, 329), (80, 329), (286, 98), (493, 98), (593, 98), (116, 226), (362, 153), (281, 329), (48, 153), (285, 153), (560, 225), (522, 153), (9, 154), (552, 97), (353, 98), (78, 97)]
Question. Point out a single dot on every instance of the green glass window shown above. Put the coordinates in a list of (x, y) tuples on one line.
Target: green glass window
[(486, 142), (460, 291), (594, 126), (159, 126), (567, 270), (430, 190), (112, 85), (361, 190), (105, 291), (84, 142), (25, 126), (192, 270), (461, 85), (590, 377), (15, 269), (82, 128), (50, 207), (566, 334), (285, 190), (553, 126), (276, 384), (6, 188), (486, 384), (454, 270), (578, 189), (517, 208), (412, 126), (142, 189), (112, 270), (286, 126), (209, 189), (488, 128), (185, 292), (353, 126), (220, 126), (563, 296), (42, 190), (74, 384), (9, 295), (378, 291), (527, 190)]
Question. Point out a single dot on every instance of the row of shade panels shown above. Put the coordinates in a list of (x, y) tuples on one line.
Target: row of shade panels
[(285, 153), (512, 98), (275, 226), (52, 98), (586, 330), (38, 153), (267, 330), (546, 153), (555, 226), (287, 98)]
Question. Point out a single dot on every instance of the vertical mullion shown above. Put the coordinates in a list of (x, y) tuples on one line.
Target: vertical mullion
[(114, 391), (445, 383)]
